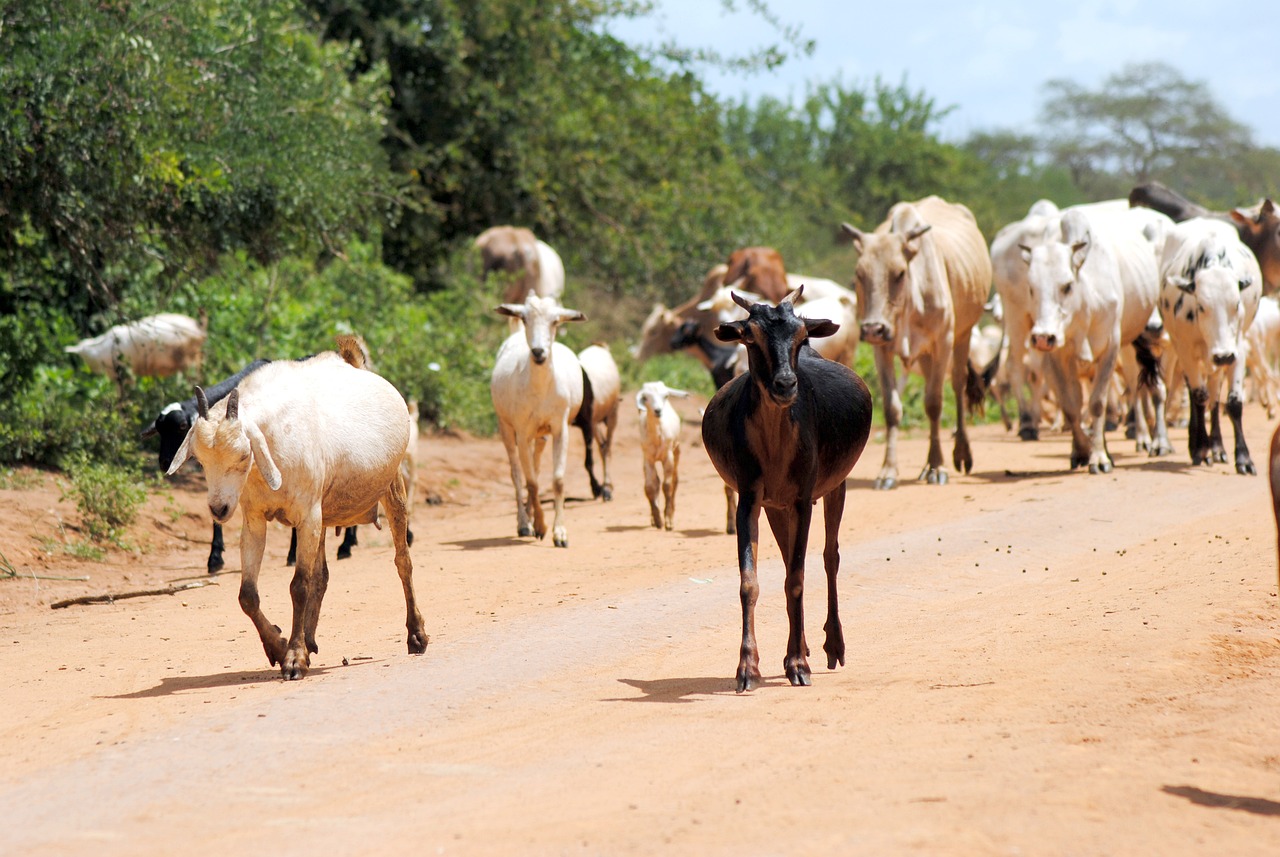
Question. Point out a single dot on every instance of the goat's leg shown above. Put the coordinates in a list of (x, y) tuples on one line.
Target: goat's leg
[(888, 476), (651, 484), (348, 542), (253, 541), (604, 437), (216, 547), (302, 589), (517, 479), (670, 478), (313, 609), (791, 529), (832, 513), (748, 521), (933, 368), (731, 510), (397, 508), (560, 459), (588, 439), (531, 458)]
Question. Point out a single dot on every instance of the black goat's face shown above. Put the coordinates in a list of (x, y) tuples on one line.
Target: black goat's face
[(774, 336)]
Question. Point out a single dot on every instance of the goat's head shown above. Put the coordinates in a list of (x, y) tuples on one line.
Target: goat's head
[(541, 317), (227, 447), (653, 397), (773, 337)]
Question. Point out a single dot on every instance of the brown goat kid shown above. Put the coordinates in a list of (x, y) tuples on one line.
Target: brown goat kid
[(783, 435)]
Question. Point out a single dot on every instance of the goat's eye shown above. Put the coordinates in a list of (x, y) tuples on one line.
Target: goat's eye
[(1066, 288)]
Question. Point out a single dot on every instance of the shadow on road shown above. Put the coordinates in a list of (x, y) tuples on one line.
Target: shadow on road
[(1200, 797)]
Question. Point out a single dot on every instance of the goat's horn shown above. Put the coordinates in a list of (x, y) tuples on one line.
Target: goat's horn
[(233, 405), (740, 300), (794, 296), (202, 403)]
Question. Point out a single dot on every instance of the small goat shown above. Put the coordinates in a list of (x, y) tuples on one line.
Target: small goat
[(537, 390), (313, 444), (598, 415), (782, 436), (155, 346), (660, 444), (172, 425)]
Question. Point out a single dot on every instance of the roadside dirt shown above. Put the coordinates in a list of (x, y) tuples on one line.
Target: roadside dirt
[(1040, 662)]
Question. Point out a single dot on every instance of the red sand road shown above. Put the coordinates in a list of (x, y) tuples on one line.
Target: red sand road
[(1040, 663)]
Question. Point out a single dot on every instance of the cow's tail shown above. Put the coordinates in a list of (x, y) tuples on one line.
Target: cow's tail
[(979, 381), (1148, 364)]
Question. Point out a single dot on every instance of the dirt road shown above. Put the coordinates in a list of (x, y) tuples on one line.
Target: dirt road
[(1040, 663)]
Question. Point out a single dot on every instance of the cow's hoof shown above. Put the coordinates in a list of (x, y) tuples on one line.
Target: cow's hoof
[(216, 565), (748, 679), (1103, 466), (834, 645), (418, 642), (798, 674), (294, 666), (1029, 433), (560, 538), (606, 494), (1159, 449), (885, 483), (524, 531), (933, 476)]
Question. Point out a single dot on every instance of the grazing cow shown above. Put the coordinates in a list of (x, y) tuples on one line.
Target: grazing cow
[(1210, 286), (533, 266), (1092, 280), (1263, 338), (1258, 225), (782, 436), (923, 275), (758, 270)]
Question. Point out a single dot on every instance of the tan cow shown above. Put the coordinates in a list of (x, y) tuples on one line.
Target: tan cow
[(514, 250), (924, 275), (758, 270)]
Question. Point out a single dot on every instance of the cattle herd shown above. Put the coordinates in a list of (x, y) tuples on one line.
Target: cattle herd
[(1140, 310)]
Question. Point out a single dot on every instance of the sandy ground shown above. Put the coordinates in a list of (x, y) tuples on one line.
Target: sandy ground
[(1040, 663)]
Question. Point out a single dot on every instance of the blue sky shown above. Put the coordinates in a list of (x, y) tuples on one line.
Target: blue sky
[(990, 58)]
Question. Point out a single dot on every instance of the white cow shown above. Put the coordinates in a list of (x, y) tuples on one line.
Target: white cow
[(1210, 286), (1092, 280), (1263, 338)]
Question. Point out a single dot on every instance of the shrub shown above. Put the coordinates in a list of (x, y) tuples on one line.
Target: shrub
[(108, 497)]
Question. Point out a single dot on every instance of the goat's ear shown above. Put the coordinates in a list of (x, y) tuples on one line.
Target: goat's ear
[(184, 452), (516, 310), (572, 315), (851, 234), (261, 455), (640, 401), (730, 331), (820, 327), (679, 394), (149, 431)]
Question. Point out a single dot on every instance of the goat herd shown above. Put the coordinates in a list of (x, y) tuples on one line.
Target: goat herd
[(1115, 302)]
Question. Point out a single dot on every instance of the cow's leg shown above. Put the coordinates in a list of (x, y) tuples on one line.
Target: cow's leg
[(791, 530), (962, 454), (1159, 393), (651, 486), (832, 512), (1099, 460), (1235, 411), (514, 457), (888, 476), (731, 510), (934, 369), (560, 458), (1135, 400), (1065, 379), (396, 505), (1197, 435), (253, 541), (588, 440), (1028, 406), (1217, 449), (303, 589), (748, 522), (216, 547), (348, 542), (670, 478)]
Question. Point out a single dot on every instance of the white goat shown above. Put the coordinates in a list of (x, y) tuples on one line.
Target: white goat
[(598, 422), (314, 443), (537, 390), (660, 444), (1263, 340), (155, 346)]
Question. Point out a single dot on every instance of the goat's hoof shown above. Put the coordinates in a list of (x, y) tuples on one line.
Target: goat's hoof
[(418, 642), (1029, 433), (344, 552), (748, 679), (294, 666), (1246, 468), (606, 494), (834, 645), (798, 674), (524, 532)]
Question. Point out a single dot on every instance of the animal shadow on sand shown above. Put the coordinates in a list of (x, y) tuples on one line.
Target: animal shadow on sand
[(181, 684), (1200, 797), (686, 690)]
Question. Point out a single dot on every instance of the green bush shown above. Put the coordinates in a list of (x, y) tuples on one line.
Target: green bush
[(108, 497)]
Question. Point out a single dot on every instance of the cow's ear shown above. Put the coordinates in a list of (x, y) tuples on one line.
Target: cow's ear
[(731, 331), (911, 243), (1079, 252), (820, 327)]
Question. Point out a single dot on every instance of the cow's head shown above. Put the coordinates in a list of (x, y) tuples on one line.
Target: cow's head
[(1259, 228), (1217, 293), (1053, 274), (227, 447), (882, 278)]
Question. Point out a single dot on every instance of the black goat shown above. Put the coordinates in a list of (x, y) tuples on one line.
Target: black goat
[(782, 436), (721, 360)]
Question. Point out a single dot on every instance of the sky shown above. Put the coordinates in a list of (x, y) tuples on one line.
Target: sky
[(990, 58)]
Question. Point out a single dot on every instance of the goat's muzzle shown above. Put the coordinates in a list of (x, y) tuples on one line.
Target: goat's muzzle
[(784, 388), (539, 355), (876, 333), (1044, 342), (220, 512)]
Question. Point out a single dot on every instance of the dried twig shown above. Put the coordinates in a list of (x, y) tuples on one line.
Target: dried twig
[(7, 570), (113, 597)]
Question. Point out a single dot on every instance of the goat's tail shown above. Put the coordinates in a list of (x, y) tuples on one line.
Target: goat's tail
[(1148, 363), (352, 349)]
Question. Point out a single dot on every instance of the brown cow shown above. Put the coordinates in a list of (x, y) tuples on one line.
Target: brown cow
[(514, 250), (758, 270), (923, 275)]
